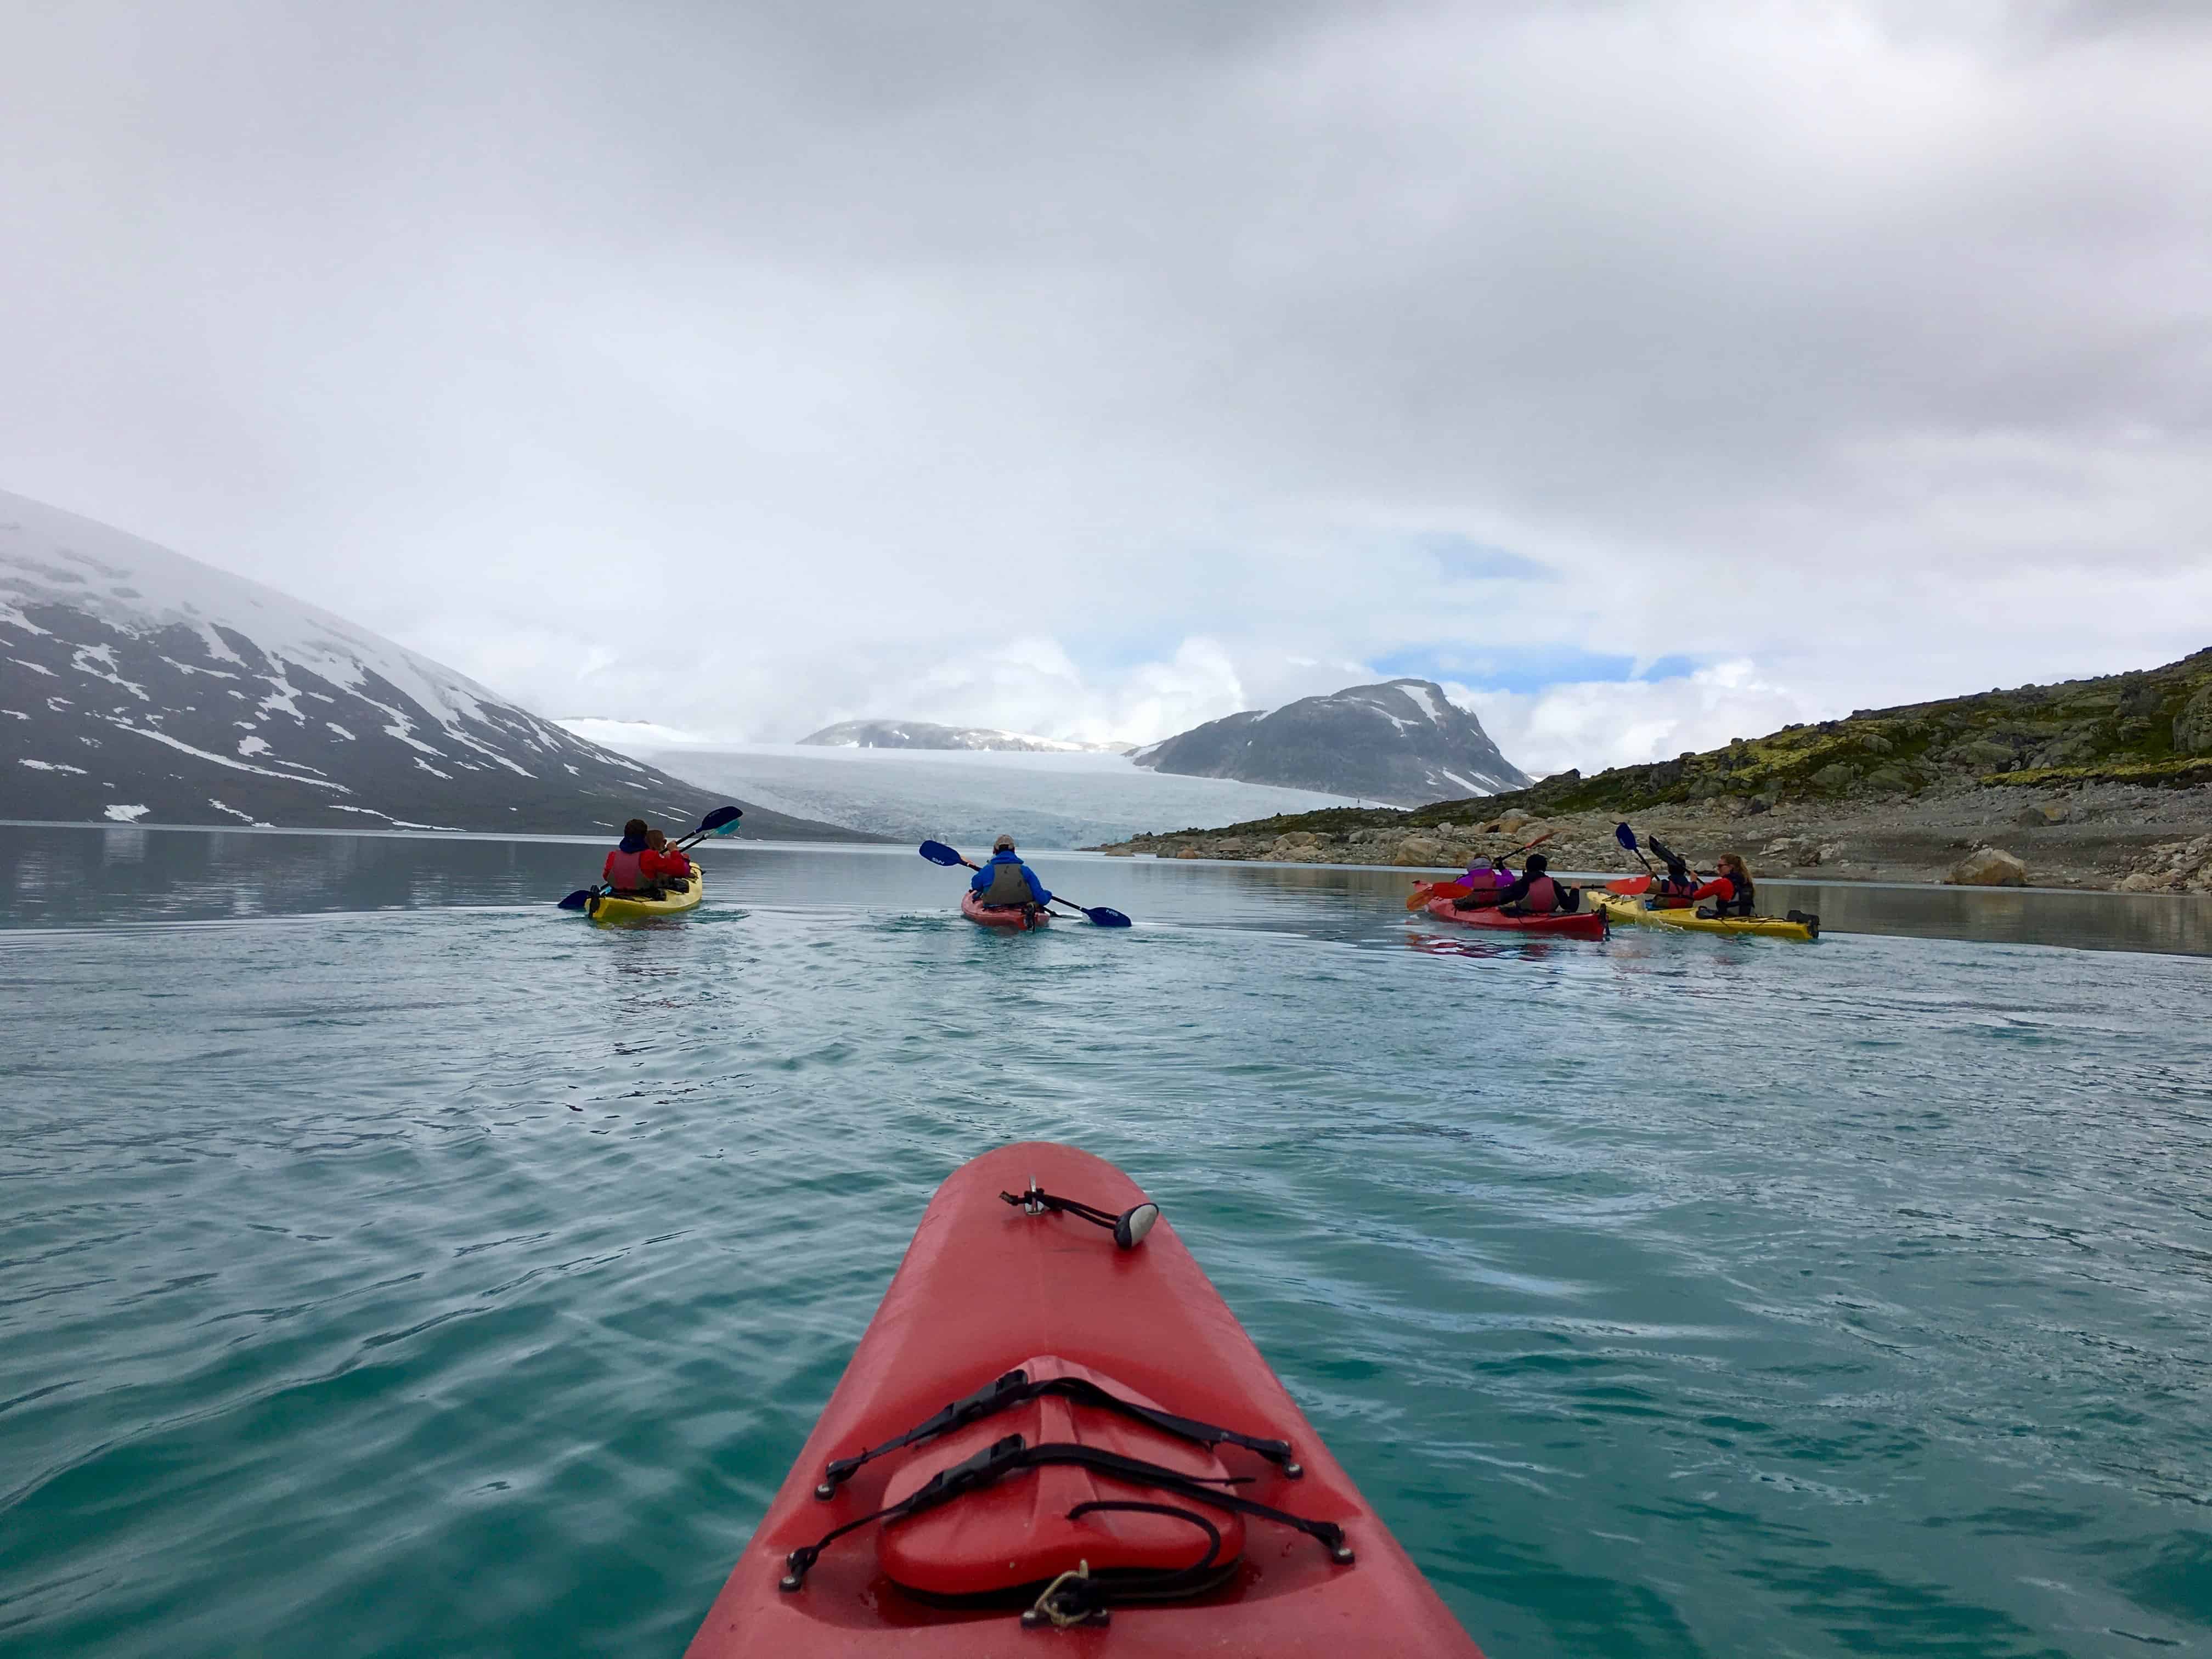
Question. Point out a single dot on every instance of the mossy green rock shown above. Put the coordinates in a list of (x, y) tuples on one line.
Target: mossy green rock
[(2192, 726)]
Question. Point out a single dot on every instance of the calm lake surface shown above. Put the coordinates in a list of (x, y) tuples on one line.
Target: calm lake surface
[(391, 1263)]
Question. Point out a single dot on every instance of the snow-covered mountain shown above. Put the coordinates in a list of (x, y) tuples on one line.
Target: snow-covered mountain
[(1402, 741), (920, 734), (138, 684)]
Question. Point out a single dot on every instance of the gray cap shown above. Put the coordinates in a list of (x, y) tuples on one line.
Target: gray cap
[(1003, 844)]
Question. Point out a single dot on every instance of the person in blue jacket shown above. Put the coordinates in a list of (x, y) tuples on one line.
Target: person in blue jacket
[(1006, 880)]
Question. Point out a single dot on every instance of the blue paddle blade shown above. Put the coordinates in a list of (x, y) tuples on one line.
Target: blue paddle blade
[(1105, 917), (938, 852), (1625, 835), (577, 900), (714, 821)]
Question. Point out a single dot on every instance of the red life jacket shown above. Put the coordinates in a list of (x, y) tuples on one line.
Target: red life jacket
[(1543, 896), (625, 871)]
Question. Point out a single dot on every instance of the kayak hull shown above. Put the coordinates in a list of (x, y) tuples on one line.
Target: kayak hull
[(1631, 911), (985, 1288), (1001, 915), (609, 908), (1577, 924)]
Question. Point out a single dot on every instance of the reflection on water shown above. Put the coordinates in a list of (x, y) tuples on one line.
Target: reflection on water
[(52, 877), (2165, 922)]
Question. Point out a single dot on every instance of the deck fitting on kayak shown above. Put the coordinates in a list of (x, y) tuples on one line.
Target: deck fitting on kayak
[(1072, 1599), (1129, 1228), (1012, 1454), (1016, 1387)]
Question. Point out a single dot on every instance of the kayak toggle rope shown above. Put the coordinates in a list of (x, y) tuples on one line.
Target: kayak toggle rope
[(1129, 1228), (1016, 1387), (1076, 1598), (1013, 1454)]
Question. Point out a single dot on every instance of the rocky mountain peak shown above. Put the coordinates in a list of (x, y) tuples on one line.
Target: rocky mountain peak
[(1401, 741)]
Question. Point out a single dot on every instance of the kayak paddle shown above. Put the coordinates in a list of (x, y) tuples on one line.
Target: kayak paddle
[(938, 852), (722, 821), (1099, 915), (1424, 890), (1627, 837)]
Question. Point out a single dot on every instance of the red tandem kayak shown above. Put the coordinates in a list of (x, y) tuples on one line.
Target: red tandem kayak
[(1103, 1399), (1579, 924), (1001, 915)]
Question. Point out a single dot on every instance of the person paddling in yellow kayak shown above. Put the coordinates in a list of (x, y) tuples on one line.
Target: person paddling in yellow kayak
[(643, 861), (1006, 880), (1740, 900), (673, 864), (1728, 893)]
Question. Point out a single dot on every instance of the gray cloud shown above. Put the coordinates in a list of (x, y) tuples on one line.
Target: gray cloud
[(1072, 367)]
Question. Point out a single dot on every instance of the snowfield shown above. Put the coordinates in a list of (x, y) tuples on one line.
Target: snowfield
[(967, 797)]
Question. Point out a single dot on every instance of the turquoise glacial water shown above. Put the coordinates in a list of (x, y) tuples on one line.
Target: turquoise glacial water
[(392, 1265)]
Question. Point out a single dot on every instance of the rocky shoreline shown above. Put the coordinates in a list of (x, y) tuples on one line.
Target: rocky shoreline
[(2099, 837)]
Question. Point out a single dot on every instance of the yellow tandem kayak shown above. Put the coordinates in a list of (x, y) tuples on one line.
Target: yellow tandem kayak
[(607, 907), (1631, 911)]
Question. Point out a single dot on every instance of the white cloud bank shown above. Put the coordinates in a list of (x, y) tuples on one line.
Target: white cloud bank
[(1592, 725), (1095, 370)]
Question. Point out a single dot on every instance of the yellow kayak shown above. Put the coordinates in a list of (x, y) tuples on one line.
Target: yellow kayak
[(607, 907), (1627, 911)]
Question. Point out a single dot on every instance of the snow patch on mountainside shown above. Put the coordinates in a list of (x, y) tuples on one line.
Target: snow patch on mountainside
[(135, 587), (184, 694)]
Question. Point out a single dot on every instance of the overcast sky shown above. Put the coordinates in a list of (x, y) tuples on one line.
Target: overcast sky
[(1650, 374)]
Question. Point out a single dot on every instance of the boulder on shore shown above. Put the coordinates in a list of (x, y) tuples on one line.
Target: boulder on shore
[(1987, 866), (2173, 867), (1419, 851), (1800, 852)]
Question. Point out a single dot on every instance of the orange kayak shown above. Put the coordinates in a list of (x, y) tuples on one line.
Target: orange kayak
[(1117, 1459)]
